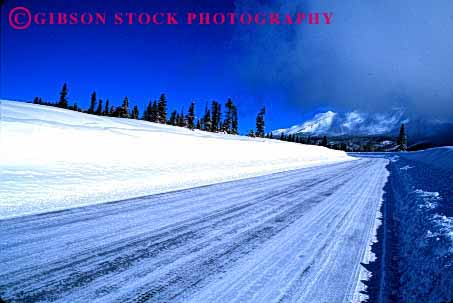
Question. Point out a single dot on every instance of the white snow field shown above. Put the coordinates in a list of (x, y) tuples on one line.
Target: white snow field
[(295, 236), (53, 159)]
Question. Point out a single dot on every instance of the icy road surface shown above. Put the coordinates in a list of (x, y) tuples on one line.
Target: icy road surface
[(296, 236)]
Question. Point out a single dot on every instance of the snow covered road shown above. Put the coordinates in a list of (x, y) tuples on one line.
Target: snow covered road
[(296, 236)]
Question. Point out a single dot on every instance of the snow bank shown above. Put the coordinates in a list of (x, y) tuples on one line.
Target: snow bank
[(53, 159), (426, 247), (441, 157), (423, 187)]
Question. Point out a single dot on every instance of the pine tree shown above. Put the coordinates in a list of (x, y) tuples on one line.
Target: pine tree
[(147, 112), (227, 123), (219, 116), (36, 100), (99, 109), (162, 109), (324, 141), (216, 116), (63, 103), (207, 124), (112, 111), (260, 122), (234, 121), (271, 136), (106, 109), (230, 123), (125, 108), (191, 116), (92, 103), (135, 113), (173, 118), (282, 137), (199, 126), (402, 139), (251, 133), (181, 121), (154, 115)]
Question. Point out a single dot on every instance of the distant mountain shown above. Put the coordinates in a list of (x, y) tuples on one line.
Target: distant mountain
[(359, 124)]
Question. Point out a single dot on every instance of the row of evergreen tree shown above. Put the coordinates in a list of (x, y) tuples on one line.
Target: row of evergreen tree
[(157, 112), (213, 120), (299, 139)]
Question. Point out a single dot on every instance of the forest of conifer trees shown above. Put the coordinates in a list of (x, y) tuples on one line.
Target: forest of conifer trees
[(212, 120)]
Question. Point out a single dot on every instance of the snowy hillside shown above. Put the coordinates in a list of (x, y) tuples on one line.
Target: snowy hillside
[(54, 159)]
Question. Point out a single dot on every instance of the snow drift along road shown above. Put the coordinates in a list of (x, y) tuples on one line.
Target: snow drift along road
[(52, 158), (441, 157)]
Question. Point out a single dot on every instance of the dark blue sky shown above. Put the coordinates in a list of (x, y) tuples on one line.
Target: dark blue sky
[(372, 55), (187, 63)]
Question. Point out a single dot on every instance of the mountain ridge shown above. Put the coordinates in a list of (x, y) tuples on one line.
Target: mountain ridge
[(362, 124)]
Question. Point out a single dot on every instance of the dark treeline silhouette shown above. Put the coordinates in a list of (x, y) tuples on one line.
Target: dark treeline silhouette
[(294, 139), (320, 141), (157, 111)]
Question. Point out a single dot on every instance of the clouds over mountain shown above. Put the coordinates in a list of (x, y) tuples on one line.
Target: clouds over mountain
[(350, 123), (373, 57)]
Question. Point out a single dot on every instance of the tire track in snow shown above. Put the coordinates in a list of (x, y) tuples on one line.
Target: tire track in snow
[(190, 245)]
